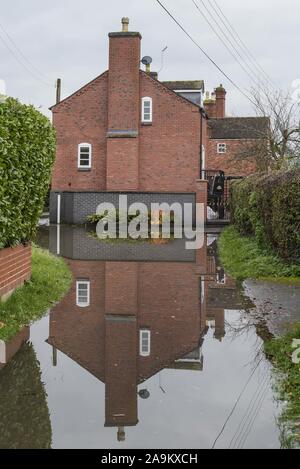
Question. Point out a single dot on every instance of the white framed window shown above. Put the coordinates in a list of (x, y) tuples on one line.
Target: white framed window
[(83, 293), (84, 156), (145, 342), (147, 110), (222, 148)]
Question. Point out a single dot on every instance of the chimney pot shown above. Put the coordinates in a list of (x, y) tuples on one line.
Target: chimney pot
[(125, 24)]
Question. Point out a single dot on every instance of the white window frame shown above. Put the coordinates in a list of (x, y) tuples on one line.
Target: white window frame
[(148, 351), (147, 99), (85, 145), (79, 303), (219, 146)]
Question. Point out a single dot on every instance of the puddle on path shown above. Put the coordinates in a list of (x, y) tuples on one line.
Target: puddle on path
[(153, 347)]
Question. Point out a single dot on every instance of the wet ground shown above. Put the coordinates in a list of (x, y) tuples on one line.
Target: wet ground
[(153, 347)]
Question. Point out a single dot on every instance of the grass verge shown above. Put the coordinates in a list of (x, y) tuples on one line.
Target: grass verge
[(287, 384), (242, 258), (51, 279)]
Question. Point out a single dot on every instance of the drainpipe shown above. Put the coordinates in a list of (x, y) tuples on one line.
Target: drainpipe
[(201, 141), (58, 209)]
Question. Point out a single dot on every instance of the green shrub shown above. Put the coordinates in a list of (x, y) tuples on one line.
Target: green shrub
[(287, 385), (27, 151), (268, 206)]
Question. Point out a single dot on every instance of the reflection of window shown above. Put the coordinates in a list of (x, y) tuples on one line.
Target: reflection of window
[(147, 110), (85, 156), (221, 277), (83, 293), (145, 342), (202, 289), (222, 147)]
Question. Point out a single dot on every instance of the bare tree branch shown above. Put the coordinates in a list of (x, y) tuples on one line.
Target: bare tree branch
[(279, 146)]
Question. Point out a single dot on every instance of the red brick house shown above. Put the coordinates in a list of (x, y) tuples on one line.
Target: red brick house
[(125, 132), (128, 132), (229, 136)]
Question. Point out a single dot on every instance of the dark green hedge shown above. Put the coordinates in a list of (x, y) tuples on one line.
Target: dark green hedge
[(268, 206), (27, 151)]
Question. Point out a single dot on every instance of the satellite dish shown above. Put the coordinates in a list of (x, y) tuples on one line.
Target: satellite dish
[(144, 394), (147, 60)]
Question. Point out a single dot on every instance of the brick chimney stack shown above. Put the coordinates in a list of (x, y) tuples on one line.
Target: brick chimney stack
[(210, 105), (123, 109), (215, 103), (220, 101)]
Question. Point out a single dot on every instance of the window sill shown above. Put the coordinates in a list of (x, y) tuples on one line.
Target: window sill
[(84, 170), (146, 124)]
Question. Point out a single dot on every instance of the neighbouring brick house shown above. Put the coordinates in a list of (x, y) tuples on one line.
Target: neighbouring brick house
[(128, 132), (228, 137)]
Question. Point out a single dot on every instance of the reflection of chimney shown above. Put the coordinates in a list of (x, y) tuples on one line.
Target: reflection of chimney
[(121, 350), (121, 345), (121, 434), (220, 324)]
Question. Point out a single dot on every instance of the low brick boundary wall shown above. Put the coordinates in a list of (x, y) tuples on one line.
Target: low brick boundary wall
[(15, 268)]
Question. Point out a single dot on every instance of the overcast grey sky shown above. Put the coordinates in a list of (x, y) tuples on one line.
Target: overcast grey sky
[(68, 39)]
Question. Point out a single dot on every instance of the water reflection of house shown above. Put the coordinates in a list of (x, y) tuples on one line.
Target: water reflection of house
[(125, 321)]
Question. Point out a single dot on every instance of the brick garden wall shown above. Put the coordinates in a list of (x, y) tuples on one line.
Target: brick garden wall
[(15, 268)]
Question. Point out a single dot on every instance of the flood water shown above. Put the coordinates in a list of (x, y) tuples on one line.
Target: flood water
[(153, 347)]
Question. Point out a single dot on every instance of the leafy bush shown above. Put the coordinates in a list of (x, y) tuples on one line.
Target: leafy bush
[(27, 151), (287, 384), (268, 206)]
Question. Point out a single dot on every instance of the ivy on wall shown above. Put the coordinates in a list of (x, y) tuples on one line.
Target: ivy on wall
[(27, 152)]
